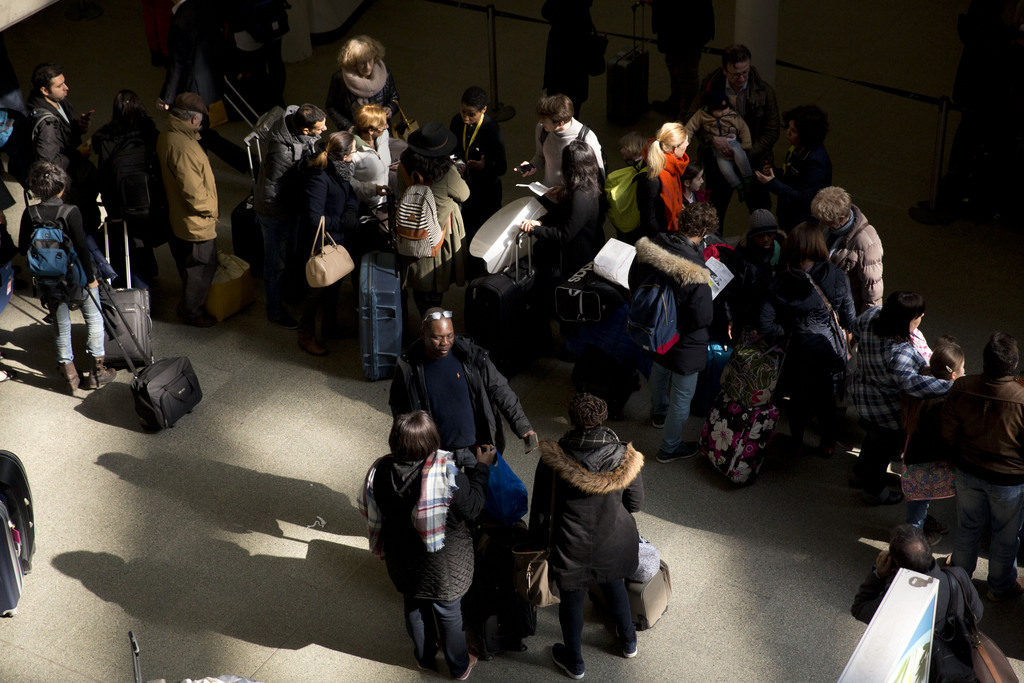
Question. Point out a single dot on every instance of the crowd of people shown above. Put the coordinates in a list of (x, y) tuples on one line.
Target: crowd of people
[(808, 275)]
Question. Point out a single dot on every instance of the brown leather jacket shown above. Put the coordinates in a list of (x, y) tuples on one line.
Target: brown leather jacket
[(983, 419)]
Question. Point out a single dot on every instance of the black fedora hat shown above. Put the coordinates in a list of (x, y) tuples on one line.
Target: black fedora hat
[(432, 140)]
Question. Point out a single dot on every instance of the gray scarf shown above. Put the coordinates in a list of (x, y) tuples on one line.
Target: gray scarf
[(344, 169)]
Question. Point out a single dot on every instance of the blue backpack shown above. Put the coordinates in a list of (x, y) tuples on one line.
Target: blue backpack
[(652, 321), (52, 258)]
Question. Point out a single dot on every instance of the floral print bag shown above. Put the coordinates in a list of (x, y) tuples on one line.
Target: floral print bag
[(735, 437)]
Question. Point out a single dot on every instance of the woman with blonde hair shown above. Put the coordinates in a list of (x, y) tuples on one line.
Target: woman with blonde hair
[(659, 193), (362, 79)]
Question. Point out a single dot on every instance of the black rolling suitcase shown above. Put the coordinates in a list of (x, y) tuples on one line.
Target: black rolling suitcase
[(246, 233), (504, 315), (134, 304), (164, 390), (628, 73), (17, 538), (497, 618)]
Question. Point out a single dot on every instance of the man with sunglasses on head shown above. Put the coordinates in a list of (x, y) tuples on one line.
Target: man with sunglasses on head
[(455, 381)]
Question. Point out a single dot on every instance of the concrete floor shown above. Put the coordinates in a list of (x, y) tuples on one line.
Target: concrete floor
[(206, 539)]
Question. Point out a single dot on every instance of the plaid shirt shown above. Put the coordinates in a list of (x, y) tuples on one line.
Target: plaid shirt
[(886, 369)]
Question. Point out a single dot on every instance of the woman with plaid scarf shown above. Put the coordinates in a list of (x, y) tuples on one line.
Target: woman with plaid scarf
[(417, 505)]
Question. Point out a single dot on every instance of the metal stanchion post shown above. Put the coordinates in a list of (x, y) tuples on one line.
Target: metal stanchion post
[(498, 111), (928, 212)]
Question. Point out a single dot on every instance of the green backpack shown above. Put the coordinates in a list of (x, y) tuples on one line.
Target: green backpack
[(620, 191)]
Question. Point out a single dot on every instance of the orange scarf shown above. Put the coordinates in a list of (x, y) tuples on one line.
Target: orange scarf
[(671, 178)]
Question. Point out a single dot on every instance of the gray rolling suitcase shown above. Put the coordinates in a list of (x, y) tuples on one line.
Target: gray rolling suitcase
[(134, 305), (647, 601), (628, 74)]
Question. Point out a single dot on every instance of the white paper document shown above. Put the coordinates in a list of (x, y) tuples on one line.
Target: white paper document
[(539, 189), (720, 276)]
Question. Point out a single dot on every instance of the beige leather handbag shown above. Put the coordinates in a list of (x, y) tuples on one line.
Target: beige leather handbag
[(327, 263)]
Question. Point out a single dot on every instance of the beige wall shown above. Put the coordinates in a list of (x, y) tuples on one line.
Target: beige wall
[(13, 11)]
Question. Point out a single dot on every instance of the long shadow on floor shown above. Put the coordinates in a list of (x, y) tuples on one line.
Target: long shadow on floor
[(275, 602), (237, 499)]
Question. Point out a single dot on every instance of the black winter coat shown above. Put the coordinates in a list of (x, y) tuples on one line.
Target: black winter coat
[(489, 391), (448, 573), (676, 259), (123, 151), (327, 195), (54, 139), (793, 307), (195, 52), (279, 186), (807, 172), (576, 225), (596, 489)]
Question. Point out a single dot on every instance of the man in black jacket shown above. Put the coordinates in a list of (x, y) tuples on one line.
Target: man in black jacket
[(455, 381), (754, 99), (674, 260), (57, 138), (290, 141)]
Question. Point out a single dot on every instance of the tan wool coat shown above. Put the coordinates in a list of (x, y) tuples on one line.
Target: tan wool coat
[(188, 181)]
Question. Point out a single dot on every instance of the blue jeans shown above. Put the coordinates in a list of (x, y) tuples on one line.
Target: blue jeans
[(420, 615), (570, 617), (917, 510), (977, 502), (62, 329), (739, 158), (280, 238), (671, 393)]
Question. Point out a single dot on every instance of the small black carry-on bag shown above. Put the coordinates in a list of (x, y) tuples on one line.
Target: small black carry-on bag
[(164, 390)]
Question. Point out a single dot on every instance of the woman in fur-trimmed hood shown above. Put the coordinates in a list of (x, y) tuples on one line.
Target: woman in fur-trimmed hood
[(596, 483)]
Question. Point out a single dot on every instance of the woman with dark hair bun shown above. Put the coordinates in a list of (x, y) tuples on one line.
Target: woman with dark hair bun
[(807, 168), (888, 367), (126, 147), (816, 354), (574, 222), (417, 504), (586, 488)]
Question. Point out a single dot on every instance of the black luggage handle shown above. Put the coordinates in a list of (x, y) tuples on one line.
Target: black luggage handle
[(515, 256)]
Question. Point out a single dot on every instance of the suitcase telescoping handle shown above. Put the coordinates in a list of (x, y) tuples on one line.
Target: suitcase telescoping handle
[(109, 323), (529, 255), (127, 253), (135, 657), (643, 26)]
